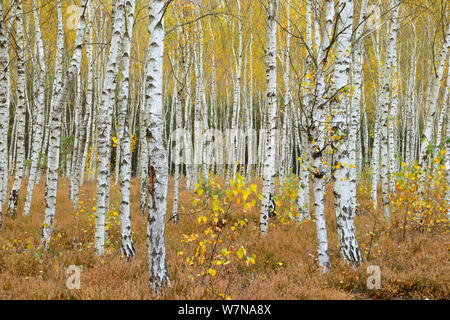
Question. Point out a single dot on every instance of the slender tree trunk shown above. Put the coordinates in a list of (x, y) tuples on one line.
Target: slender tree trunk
[(344, 196), (316, 138), (441, 120), (355, 117), (61, 91), (386, 90), (268, 201), (178, 127), (104, 128), (125, 219), (4, 109), (393, 113), (89, 102), (434, 96), (158, 168), (39, 117), (287, 122), (20, 113), (447, 163)]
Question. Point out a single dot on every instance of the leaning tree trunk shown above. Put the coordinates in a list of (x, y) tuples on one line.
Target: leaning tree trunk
[(4, 109), (20, 114), (158, 167), (55, 129), (427, 134), (88, 106), (441, 119), (39, 117)]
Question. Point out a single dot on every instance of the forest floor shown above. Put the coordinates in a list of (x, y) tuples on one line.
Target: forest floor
[(413, 264)]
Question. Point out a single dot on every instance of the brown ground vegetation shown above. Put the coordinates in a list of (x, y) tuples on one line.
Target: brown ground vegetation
[(412, 267)]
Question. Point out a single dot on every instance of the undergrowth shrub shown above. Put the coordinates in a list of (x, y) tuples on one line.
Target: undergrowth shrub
[(216, 252)]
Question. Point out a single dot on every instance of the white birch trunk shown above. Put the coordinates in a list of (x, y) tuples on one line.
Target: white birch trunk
[(441, 120), (393, 113), (39, 117), (287, 123), (268, 201), (344, 196), (104, 128), (384, 111), (143, 153), (355, 117), (20, 113), (125, 219), (447, 163), (89, 102), (178, 126), (427, 134), (61, 91), (317, 139), (4, 110), (158, 167)]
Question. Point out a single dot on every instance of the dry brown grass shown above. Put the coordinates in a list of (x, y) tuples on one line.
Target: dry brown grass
[(417, 267)]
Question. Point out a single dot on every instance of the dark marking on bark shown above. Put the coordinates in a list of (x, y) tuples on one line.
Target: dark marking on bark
[(151, 186), (272, 207)]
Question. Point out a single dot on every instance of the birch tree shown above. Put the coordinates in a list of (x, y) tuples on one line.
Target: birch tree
[(316, 138), (19, 113), (384, 111), (61, 91), (158, 166), (447, 163), (427, 134), (39, 117), (4, 109), (125, 223), (344, 203), (268, 202), (355, 118)]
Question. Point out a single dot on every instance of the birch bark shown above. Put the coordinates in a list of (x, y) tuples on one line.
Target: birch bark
[(125, 219), (55, 129), (355, 117), (427, 134), (384, 110), (345, 204), (20, 113), (447, 163), (4, 109), (104, 128), (316, 137), (158, 167), (268, 202), (39, 117)]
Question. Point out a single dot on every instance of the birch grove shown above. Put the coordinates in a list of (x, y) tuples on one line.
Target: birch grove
[(322, 114)]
